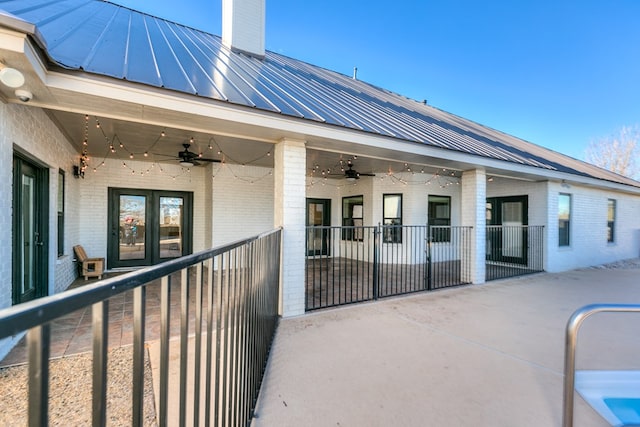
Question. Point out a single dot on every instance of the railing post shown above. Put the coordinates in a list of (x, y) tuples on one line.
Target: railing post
[(139, 298), (100, 314), (428, 278), (38, 339), (184, 343), (165, 311), (376, 260)]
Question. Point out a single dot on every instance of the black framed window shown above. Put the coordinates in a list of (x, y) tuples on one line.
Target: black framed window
[(352, 218), (439, 211), (611, 220), (392, 218), (564, 219), (60, 203)]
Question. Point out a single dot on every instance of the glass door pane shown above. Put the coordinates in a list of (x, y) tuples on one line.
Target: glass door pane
[(314, 239), (27, 234), (171, 232), (318, 215), (29, 230), (148, 226), (512, 239), (132, 225)]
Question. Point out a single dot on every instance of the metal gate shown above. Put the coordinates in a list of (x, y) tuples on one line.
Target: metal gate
[(367, 263)]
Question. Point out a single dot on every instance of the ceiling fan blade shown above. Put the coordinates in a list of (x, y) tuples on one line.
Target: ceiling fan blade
[(171, 156)]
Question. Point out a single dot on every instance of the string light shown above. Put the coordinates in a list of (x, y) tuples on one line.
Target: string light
[(405, 176), (115, 141)]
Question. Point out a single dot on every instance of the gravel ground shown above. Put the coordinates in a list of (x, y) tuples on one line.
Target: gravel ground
[(70, 391)]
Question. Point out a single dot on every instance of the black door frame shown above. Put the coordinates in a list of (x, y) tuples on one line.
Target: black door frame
[(151, 236), (495, 238), (326, 222), (22, 163)]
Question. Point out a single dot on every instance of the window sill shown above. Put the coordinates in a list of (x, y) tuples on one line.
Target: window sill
[(62, 259)]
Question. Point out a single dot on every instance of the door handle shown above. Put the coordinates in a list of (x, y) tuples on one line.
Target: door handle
[(40, 243)]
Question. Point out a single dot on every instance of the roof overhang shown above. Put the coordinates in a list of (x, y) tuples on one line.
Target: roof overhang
[(58, 89)]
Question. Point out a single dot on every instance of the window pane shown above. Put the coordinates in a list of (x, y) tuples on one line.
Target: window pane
[(611, 218), (392, 206), (352, 217), (60, 213), (60, 191), (564, 206), (439, 211), (564, 219), (392, 211), (611, 211)]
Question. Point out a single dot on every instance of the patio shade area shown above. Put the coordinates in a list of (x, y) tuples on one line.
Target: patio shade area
[(488, 355)]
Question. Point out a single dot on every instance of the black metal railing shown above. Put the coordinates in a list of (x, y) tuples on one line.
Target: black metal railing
[(402, 266), (235, 315), (514, 250), (352, 264), (449, 253), (340, 265)]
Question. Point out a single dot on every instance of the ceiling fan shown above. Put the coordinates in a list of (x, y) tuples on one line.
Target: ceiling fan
[(351, 174), (189, 158)]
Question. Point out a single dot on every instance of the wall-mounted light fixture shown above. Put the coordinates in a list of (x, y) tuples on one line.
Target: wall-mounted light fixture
[(78, 172), (11, 77)]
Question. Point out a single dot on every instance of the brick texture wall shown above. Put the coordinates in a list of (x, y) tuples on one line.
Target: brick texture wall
[(588, 238), (28, 130), (289, 212), (242, 202)]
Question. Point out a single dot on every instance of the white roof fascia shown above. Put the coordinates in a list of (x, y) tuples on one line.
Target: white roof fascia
[(15, 23)]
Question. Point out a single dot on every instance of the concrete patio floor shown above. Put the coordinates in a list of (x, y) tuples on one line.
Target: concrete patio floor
[(484, 355)]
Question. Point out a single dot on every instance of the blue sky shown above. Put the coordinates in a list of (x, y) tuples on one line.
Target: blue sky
[(559, 73)]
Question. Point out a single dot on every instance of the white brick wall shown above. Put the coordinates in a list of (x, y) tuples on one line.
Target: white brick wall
[(242, 198), (289, 212), (588, 240), (30, 131), (474, 214), (243, 25)]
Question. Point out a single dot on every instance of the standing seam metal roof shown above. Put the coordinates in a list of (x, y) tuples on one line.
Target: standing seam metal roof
[(107, 39)]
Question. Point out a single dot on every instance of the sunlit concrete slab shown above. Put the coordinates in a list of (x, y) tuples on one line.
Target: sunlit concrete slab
[(484, 355)]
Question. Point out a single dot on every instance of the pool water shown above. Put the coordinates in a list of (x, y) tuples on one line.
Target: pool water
[(626, 409)]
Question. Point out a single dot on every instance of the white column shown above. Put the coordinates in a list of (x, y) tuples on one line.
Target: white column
[(289, 213), (474, 199)]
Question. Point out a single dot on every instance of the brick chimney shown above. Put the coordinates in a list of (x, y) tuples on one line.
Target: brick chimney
[(243, 26)]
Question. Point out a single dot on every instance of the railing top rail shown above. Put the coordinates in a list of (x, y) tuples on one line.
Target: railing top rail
[(522, 226), (388, 225), (18, 318)]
